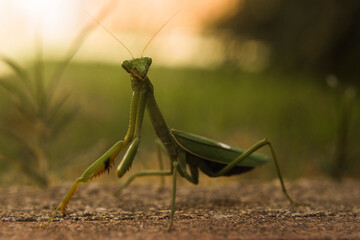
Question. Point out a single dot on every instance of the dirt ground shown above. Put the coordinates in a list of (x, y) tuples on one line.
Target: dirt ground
[(244, 210)]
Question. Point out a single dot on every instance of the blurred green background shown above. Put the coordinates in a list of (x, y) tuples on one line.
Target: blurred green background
[(287, 71)]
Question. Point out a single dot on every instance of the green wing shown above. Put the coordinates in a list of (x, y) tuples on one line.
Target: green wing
[(215, 151)]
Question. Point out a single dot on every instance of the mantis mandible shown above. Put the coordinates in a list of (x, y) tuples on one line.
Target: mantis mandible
[(188, 153)]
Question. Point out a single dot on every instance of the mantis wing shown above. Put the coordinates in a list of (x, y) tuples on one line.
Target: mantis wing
[(214, 151)]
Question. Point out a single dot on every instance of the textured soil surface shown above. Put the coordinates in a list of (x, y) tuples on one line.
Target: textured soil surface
[(244, 210)]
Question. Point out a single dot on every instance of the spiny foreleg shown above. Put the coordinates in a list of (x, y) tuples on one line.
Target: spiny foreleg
[(101, 165)]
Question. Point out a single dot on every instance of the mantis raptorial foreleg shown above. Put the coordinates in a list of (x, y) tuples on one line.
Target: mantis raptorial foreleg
[(107, 160), (128, 158), (97, 168), (123, 166)]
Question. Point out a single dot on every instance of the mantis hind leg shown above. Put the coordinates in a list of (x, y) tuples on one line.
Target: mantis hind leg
[(247, 153)]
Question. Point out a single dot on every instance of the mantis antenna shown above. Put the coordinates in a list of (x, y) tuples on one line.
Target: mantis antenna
[(142, 54), (111, 34)]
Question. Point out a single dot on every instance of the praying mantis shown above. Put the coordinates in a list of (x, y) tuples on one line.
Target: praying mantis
[(188, 153)]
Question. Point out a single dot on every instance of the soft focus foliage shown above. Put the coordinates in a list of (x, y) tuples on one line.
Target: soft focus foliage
[(317, 36), (290, 74), (238, 108)]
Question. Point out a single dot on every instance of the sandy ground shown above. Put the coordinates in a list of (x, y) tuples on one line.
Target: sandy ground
[(244, 210)]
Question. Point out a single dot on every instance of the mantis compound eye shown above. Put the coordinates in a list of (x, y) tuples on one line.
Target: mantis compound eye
[(148, 61), (127, 65)]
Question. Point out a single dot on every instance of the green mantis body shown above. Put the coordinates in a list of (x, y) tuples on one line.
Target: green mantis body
[(188, 153)]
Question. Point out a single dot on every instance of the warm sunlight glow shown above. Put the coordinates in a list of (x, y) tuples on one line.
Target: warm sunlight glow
[(47, 17), (57, 22)]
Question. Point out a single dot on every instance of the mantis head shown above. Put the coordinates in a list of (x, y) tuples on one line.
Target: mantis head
[(137, 67)]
